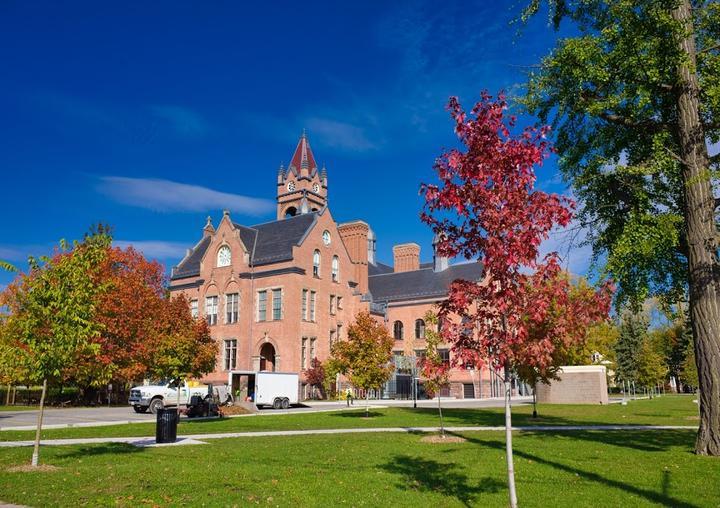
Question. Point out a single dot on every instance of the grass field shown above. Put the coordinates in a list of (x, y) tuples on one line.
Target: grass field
[(667, 410), (620, 468)]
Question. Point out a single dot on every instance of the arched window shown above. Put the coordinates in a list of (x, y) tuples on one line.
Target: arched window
[(419, 329), (398, 330), (224, 256), (291, 211), (335, 269), (316, 263)]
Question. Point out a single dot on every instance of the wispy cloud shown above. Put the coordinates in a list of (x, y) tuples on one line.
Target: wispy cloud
[(20, 253), (340, 135), (183, 120), (157, 249), (168, 196)]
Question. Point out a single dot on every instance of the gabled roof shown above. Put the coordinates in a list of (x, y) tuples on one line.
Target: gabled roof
[(420, 284), (272, 242), (303, 160)]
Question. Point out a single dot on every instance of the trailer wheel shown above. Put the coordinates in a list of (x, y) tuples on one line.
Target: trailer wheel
[(285, 403), (277, 403)]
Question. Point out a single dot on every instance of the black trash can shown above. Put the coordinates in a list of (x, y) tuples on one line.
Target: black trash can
[(166, 427)]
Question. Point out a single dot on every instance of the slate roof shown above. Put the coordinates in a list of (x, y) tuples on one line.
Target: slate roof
[(275, 241), (379, 268), (423, 283)]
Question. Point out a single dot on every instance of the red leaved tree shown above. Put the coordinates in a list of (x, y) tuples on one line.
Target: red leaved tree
[(486, 207)]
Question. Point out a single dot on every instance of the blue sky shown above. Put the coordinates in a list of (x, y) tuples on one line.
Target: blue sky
[(149, 116)]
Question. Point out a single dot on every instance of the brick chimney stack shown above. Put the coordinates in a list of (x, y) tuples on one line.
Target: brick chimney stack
[(406, 257), (355, 237)]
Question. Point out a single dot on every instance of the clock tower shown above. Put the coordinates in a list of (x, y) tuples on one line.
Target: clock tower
[(301, 188)]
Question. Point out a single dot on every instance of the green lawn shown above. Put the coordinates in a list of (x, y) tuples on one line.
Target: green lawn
[(619, 468), (667, 410)]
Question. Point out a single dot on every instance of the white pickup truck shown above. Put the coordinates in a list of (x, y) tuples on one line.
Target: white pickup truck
[(163, 394)]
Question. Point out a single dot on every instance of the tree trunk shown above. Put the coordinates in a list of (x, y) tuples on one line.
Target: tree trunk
[(7, 395), (508, 441), (442, 425), (367, 403), (701, 238), (36, 447), (534, 402)]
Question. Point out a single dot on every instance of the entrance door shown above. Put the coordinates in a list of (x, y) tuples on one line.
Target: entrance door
[(267, 357), (468, 391)]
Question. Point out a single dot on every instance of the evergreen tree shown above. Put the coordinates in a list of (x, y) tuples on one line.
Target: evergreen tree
[(633, 332)]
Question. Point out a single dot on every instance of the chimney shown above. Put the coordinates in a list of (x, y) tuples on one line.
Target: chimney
[(355, 237), (371, 247), (440, 262), (406, 257)]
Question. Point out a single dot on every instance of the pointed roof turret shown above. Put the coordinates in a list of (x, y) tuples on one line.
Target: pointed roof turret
[(303, 160)]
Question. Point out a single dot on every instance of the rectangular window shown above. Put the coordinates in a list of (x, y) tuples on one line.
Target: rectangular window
[(312, 306), (303, 354), (333, 337), (262, 305), (232, 308), (339, 302), (194, 311), (312, 350), (339, 332), (303, 310), (277, 304), (211, 309), (332, 305), (445, 355), (230, 356)]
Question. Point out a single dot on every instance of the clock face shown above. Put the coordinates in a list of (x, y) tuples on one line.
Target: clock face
[(291, 186), (223, 257), (316, 188), (326, 237)]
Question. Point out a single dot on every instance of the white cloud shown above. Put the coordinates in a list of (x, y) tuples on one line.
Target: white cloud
[(155, 248), (168, 196), (340, 135), (182, 120)]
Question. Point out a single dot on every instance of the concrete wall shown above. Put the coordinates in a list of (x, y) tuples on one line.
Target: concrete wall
[(582, 384)]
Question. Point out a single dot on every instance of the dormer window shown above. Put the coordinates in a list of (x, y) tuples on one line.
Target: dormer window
[(224, 256)]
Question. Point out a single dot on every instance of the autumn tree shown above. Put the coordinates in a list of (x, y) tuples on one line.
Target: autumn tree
[(434, 370), (635, 96), (651, 367), (51, 313), (182, 347), (570, 316), (485, 206), (365, 356), (315, 376)]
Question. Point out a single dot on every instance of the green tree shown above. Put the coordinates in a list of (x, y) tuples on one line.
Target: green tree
[(51, 318), (634, 99), (651, 367), (435, 371), (4, 265), (689, 373), (633, 333), (365, 356)]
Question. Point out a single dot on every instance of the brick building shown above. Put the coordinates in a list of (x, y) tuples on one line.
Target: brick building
[(278, 294)]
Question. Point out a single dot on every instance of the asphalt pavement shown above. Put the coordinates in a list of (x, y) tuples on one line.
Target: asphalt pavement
[(97, 416)]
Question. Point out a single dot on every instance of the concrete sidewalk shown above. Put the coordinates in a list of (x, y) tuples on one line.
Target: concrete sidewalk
[(199, 438)]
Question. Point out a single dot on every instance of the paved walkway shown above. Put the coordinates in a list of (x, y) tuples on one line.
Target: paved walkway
[(199, 438)]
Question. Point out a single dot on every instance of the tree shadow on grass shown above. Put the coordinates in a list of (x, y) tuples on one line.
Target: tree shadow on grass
[(357, 414), (431, 476), (100, 449), (662, 497)]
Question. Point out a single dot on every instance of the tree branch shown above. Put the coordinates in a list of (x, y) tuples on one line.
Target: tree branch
[(709, 48)]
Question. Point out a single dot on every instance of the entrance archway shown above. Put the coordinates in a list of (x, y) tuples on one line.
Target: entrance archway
[(267, 357)]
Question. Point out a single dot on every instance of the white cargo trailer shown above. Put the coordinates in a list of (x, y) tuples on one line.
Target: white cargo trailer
[(278, 390)]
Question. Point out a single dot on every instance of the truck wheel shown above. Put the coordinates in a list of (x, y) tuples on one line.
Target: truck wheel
[(277, 403), (140, 409), (155, 405), (285, 403)]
